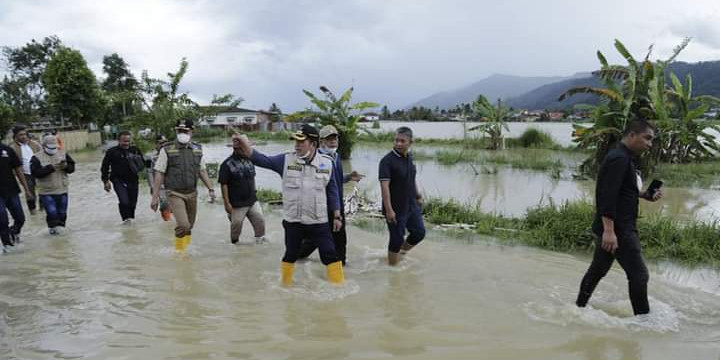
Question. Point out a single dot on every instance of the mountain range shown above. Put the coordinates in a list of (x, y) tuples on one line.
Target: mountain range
[(542, 92)]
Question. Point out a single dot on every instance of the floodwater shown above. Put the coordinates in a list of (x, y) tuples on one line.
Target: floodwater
[(108, 291), (561, 132), (496, 188)]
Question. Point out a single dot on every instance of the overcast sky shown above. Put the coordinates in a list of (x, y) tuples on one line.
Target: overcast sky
[(393, 51)]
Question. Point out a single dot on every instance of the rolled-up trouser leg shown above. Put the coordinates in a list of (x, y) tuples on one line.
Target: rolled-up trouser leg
[(415, 226), (236, 222), (257, 219)]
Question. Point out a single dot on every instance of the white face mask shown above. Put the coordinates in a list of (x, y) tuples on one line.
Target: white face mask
[(183, 138), (51, 151), (328, 151)]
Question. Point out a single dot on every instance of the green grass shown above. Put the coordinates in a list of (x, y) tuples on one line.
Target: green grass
[(534, 138), (528, 160), (267, 195), (703, 174), (566, 228)]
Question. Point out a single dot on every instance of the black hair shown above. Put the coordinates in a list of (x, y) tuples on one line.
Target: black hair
[(404, 130), (18, 128), (637, 126), (123, 133)]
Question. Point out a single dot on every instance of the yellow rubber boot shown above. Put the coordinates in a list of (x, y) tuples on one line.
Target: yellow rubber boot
[(188, 240), (286, 270), (335, 273), (180, 243)]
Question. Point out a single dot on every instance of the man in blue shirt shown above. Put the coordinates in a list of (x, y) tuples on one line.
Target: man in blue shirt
[(400, 196), (329, 143), (309, 194)]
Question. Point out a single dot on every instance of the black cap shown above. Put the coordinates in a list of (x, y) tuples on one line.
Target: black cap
[(186, 124), (306, 131)]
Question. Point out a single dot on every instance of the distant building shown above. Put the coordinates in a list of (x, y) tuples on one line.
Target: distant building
[(370, 116), (240, 118)]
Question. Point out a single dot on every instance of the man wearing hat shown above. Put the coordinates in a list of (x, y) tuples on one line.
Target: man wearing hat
[(50, 168), (329, 143), (309, 194), (10, 169), (178, 166), (24, 147)]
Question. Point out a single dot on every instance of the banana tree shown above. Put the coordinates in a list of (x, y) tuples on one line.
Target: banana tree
[(495, 118), (340, 113), (683, 136), (627, 95)]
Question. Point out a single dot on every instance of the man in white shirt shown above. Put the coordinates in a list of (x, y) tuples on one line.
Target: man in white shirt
[(24, 147)]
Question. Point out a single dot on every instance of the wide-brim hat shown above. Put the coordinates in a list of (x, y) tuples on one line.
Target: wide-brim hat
[(305, 132)]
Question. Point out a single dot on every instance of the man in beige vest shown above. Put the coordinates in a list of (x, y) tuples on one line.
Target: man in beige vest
[(50, 167), (178, 166)]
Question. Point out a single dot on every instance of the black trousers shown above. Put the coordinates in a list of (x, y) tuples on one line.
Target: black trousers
[(629, 256), (127, 193), (339, 240), (296, 232)]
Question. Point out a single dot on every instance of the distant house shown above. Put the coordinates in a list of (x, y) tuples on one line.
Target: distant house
[(240, 118), (370, 116), (556, 116)]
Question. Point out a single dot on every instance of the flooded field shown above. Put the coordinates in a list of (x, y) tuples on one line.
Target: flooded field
[(108, 291)]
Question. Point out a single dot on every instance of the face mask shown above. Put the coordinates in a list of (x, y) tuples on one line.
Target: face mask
[(51, 151), (183, 138), (328, 151)]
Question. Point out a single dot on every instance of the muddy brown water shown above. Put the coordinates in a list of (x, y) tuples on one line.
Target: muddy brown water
[(108, 291)]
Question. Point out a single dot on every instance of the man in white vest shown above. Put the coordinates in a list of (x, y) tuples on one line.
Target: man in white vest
[(309, 194)]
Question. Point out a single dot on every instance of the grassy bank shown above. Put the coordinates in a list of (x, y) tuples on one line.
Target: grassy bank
[(703, 174), (531, 138), (566, 227)]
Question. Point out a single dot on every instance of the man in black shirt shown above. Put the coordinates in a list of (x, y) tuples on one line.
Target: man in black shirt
[(121, 166), (400, 196), (618, 188), (237, 178), (10, 169)]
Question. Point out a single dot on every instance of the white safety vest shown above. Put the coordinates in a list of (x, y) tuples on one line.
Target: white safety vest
[(304, 197)]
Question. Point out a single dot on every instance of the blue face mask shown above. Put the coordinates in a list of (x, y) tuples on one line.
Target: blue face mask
[(328, 151)]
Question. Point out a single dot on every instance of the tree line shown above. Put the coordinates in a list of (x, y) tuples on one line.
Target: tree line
[(50, 82)]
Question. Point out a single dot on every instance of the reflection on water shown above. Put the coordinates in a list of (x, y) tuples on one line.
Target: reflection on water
[(504, 191), (108, 291), (560, 132)]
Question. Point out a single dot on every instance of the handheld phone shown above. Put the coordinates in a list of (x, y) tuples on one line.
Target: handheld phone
[(654, 186)]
